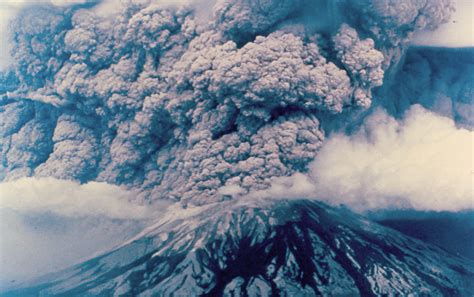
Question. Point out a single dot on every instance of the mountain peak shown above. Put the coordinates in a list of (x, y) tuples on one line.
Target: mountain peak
[(265, 248)]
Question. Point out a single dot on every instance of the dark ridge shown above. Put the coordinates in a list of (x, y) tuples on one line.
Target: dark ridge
[(325, 229), (452, 232)]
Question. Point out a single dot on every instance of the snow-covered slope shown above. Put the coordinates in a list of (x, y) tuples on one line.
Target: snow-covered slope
[(264, 248)]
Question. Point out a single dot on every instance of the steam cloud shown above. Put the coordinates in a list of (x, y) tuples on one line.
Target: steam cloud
[(155, 99), (48, 224), (422, 162), (69, 199)]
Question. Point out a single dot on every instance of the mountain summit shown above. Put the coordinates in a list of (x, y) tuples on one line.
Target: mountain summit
[(264, 248)]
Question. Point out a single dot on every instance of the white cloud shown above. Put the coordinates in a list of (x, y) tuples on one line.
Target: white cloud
[(69, 199), (423, 162), (458, 32), (49, 224), (68, 2)]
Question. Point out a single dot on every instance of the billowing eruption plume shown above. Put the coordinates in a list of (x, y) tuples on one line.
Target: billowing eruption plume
[(154, 98)]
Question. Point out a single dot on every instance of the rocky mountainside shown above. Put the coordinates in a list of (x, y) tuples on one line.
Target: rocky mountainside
[(264, 248)]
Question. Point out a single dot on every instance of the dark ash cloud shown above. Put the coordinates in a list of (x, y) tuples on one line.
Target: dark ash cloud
[(154, 98)]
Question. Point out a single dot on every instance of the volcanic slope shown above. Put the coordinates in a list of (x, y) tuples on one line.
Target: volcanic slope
[(264, 248)]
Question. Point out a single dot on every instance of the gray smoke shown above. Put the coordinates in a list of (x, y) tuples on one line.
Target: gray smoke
[(155, 98)]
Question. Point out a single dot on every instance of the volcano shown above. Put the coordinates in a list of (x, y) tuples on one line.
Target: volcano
[(264, 248)]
